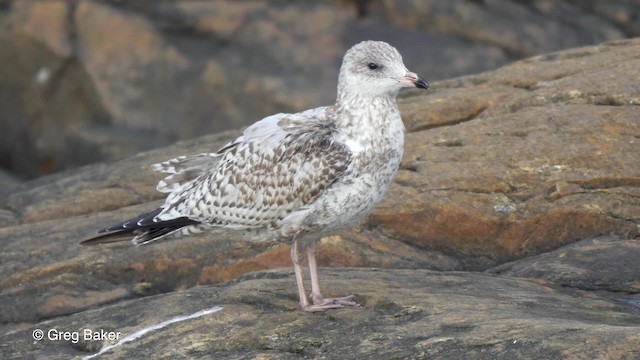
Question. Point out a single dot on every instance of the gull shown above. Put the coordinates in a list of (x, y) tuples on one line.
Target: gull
[(292, 177)]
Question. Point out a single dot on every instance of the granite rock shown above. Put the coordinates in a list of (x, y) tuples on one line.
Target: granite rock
[(510, 179), (85, 81), (411, 314)]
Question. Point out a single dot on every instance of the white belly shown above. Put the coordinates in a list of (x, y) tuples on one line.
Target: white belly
[(355, 195), (377, 151)]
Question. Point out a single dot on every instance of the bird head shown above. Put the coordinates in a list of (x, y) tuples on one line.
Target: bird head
[(375, 68)]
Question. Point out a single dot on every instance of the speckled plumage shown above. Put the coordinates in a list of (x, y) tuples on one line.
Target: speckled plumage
[(262, 180), (293, 176)]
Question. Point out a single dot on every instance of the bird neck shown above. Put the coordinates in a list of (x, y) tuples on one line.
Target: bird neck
[(363, 121), (358, 111)]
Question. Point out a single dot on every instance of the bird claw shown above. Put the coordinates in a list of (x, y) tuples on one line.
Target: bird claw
[(321, 304), (318, 308)]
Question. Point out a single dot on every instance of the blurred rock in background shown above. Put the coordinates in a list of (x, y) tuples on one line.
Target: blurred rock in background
[(85, 81), (511, 230)]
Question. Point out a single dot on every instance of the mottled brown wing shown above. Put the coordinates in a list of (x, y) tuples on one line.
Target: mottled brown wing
[(259, 181)]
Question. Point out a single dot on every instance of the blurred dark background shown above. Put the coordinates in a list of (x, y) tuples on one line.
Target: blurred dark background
[(86, 81)]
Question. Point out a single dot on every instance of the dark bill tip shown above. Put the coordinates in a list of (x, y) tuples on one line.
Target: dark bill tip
[(421, 83)]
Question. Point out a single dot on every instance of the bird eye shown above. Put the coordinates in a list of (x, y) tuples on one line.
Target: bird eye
[(372, 66)]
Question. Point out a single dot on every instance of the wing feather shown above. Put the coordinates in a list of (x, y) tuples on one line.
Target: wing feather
[(279, 165), (184, 169)]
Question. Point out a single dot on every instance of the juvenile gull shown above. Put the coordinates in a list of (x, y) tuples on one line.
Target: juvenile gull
[(294, 177)]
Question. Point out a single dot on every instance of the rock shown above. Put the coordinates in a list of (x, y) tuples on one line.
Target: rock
[(46, 22), (51, 116), (44, 258), (7, 183), (103, 80), (500, 23), (498, 166), (405, 314), (597, 264), (522, 160), (501, 170)]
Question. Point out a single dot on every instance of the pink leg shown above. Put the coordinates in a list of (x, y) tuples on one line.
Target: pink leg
[(320, 302), (304, 303), (295, 258)]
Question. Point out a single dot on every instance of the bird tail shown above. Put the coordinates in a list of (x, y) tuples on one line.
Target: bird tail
[(140, 230)]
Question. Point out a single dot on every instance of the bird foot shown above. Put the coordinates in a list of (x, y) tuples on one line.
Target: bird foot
[(318, 308), (321, 303), (345, 301)]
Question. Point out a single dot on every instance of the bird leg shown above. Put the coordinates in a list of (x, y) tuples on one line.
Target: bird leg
[(295, 258), (319, 301)]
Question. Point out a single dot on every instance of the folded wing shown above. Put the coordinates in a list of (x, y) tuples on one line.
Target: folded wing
[(277, 167)]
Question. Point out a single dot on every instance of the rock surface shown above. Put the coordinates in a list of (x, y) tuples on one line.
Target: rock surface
[(603, 263), (405, 314), (89, 80), (501, 168)]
